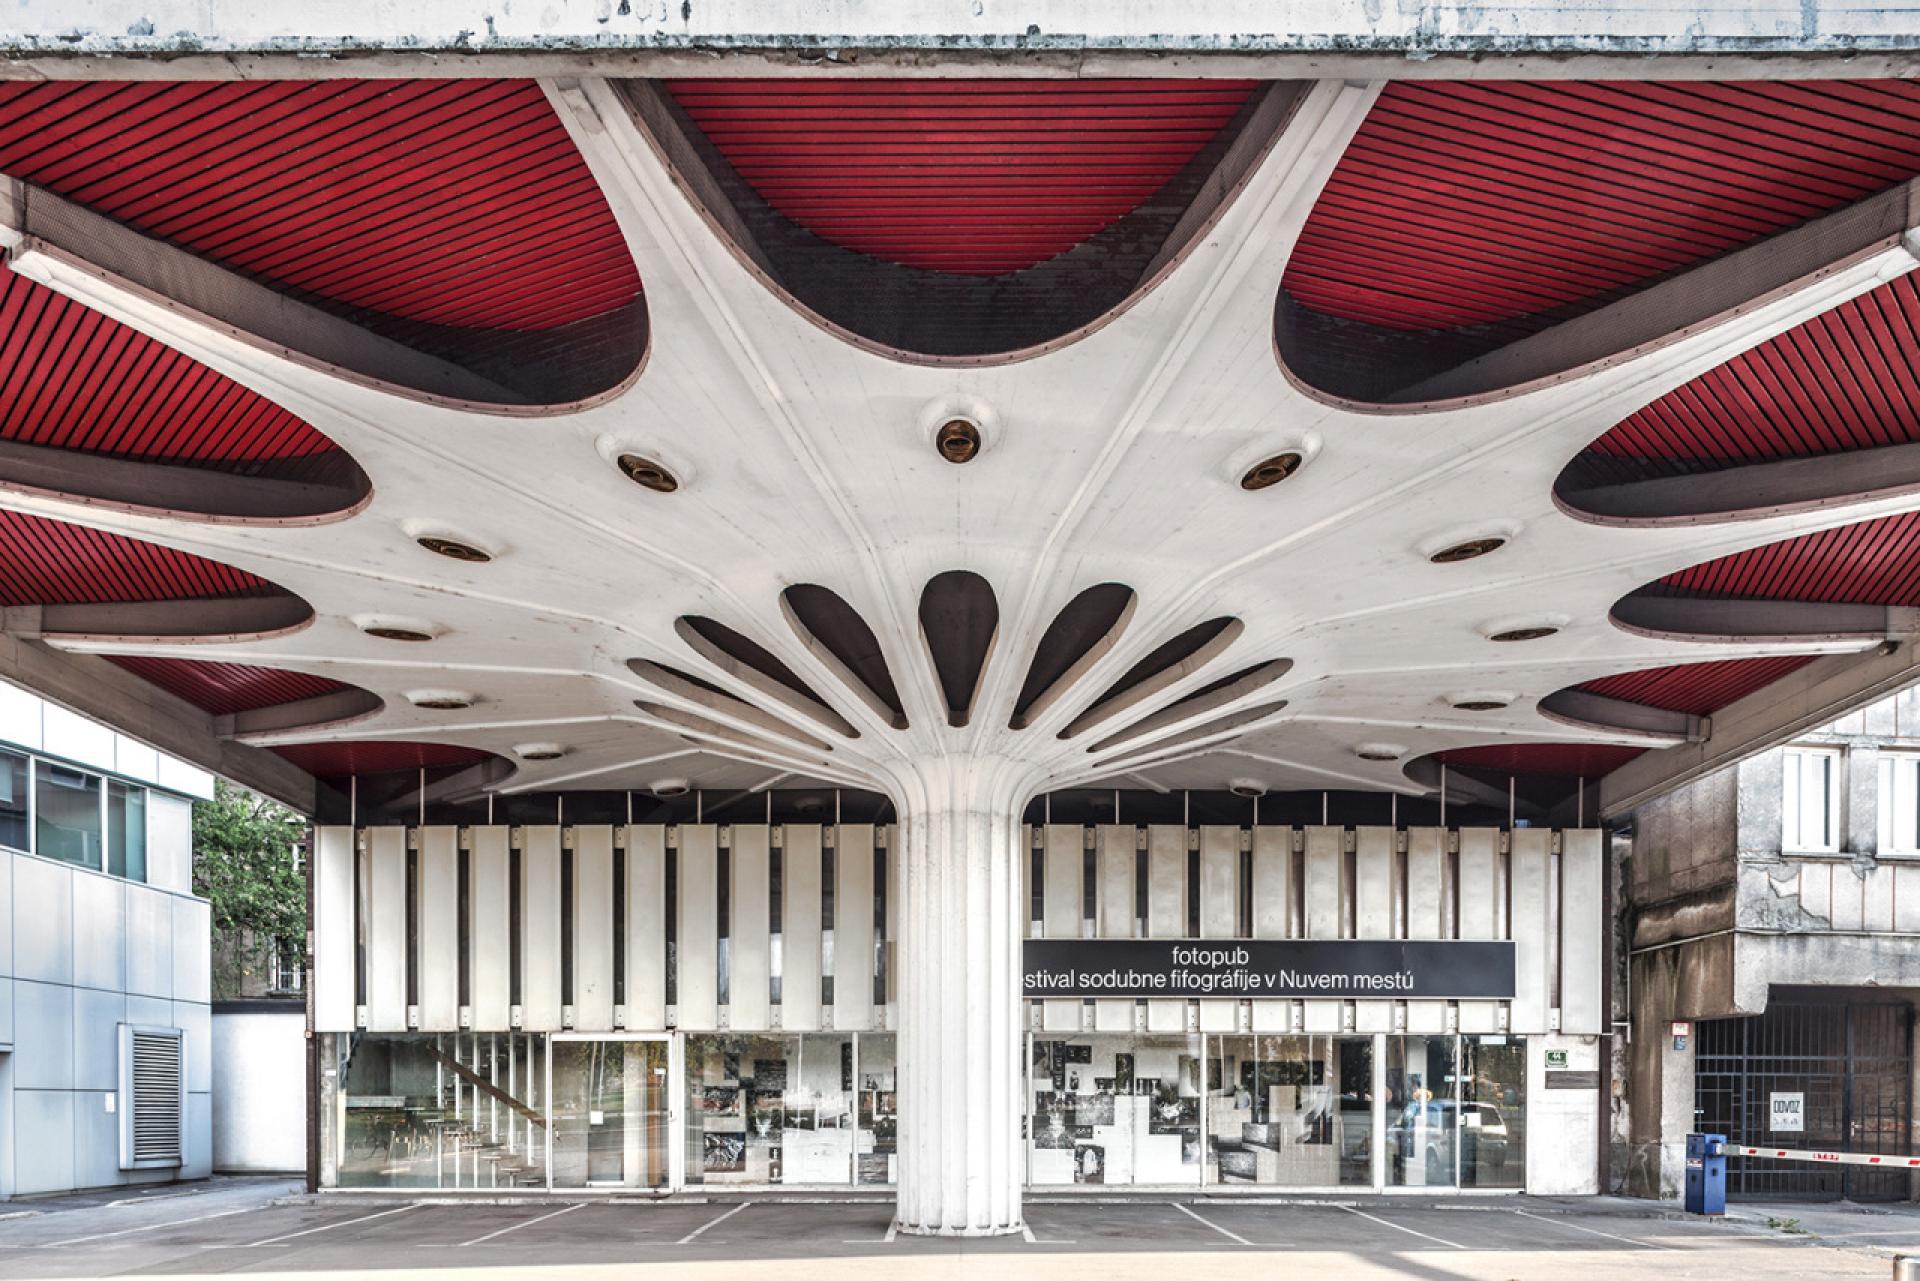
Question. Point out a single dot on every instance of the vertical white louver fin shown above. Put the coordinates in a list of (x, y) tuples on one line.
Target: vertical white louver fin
[(153, 1097)]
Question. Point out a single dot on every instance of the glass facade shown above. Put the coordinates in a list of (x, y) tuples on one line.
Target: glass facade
[(440, 1111), (73, 815), (1295, 1111), (784, 1109), (610, 1113), (13, 801), (1115, 1109), (67, 814), (126, 830), (1456, 1111)]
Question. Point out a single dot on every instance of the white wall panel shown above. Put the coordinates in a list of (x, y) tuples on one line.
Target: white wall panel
[(21, 716), (1325, 911), (1272, 910), (437, 951), (384, 879), (800, 908), (1373, 916), (1426, 882), (1583, 917), (333, 935), (78, 739), (1479, 886), (43, 920), (135, 759), (697, 928), (593, 928), (751, 976), (1063, 862), (645, 1007), (490, 929), (853, 927), (1115, 850), (1219, 911), (540, 928), (169, 842), (1166, 910), (1531, 868)]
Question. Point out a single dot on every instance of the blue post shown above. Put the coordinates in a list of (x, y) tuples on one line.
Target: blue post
[(1706, 1174)]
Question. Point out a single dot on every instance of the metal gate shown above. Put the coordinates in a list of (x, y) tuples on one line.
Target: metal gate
[(1853, 1064)]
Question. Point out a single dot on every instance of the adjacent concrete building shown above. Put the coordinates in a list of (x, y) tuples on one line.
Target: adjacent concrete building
[(105, 1027)]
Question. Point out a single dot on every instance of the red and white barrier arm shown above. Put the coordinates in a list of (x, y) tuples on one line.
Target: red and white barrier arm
[(1827, 1158)]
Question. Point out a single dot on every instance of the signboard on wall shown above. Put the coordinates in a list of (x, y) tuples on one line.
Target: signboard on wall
[(1787, 1112), (1235, 969)]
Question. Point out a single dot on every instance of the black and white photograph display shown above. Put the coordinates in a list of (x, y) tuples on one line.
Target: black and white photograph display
[(775, 1109)]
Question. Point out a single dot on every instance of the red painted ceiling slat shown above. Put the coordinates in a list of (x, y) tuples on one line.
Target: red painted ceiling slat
[(392, 201), (1873, 562), (1537, 197), (1574, 760), (1699, 689), (226, 689), (50, 562), (997, 175), (70, 378), (337, 760)]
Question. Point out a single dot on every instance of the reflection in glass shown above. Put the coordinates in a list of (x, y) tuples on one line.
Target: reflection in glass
[(67, 815), (610, 1114), (441, 1111), (1493, 1112), (770, 1109), (875, 1145), (127, 830), (13, 801), (1291, 1110), (1422, 1113), (1115, 1110)]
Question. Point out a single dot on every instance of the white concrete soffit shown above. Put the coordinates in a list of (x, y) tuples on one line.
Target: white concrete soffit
[(1112, 458)]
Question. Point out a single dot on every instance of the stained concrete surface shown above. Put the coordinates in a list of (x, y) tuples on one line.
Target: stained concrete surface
[(263, 1228)]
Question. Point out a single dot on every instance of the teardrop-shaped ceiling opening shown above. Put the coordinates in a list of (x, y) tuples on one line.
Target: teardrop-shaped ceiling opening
[(710, 697), (1168, 662), (959, 617), (1215, 694), (753, 664), (837, 634), (1080, 633)]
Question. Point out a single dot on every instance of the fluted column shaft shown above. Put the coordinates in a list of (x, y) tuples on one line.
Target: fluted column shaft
[(960, 1046)]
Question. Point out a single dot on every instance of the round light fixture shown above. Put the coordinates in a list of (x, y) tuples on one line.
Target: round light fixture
[(1248, 787), (393, 633), (645, 472), (1523, 634), (667, 788), (1380, 751), (1470, 549), (539, 751), (454, 549), (442, 700), (957, 440), (1480, 700), (1271, 471)]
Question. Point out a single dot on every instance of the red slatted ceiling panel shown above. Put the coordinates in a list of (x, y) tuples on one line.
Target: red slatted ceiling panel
[(49, 562), (453, 202), (1874, 562), (1575, 760), (1848, 379), (1479, 202), (70, 378), (981, 177), (336, 760), (226, 689), (1699, 689)]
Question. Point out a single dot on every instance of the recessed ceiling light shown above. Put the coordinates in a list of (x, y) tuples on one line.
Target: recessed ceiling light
[(1480, 700), (539, 751), (957, 440), (1271, 471), (1251, 787), (1380, 751), (393, 633), (642, 470), (1523, 634), (1470, 549), (667, 788), (441, 700), (454, 549)]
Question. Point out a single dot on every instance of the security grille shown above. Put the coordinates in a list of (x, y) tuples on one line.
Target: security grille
[(153, 1079)]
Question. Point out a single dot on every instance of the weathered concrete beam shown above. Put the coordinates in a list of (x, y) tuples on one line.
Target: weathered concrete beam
[(92, 686)]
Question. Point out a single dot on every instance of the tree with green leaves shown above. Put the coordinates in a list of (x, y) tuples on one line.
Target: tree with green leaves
[(245, 865)]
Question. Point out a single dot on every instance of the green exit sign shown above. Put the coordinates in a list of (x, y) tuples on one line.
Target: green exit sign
[(1556, 1058)]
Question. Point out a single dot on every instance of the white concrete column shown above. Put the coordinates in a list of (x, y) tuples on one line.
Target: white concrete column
[(959, 949)]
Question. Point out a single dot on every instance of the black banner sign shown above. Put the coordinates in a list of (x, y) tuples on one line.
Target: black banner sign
[(1340, 969)]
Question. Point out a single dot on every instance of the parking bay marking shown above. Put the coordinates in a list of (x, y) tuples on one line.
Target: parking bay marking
[(511, 1227), (1611, 1236), (151, 1227), (324, 1227), (695, 1234), (1257, 1245), (1401, 1227)]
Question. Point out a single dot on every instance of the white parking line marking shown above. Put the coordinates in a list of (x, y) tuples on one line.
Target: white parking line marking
[(893, 1230), (694, 1235), (151, 1227), (1611, 1236), (1256, 1245), (515, 1227), (324, 1227), (1401, 1227)]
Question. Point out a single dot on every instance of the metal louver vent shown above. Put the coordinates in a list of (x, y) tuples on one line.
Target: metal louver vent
[(153, 1080)]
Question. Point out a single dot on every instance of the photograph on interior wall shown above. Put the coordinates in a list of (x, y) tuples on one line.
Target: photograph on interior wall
[(801, 1115), (770, 1074), (1123, 1074), (1052, 1123), (719, 1098), (1190, 1146), (1078, 1053), (1094, 1109), (765, 1111), (1089, 1163), (775, 1166), (846, 1065), (724, 1153)]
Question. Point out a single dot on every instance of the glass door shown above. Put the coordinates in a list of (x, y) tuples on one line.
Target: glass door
[(609, 1112)]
